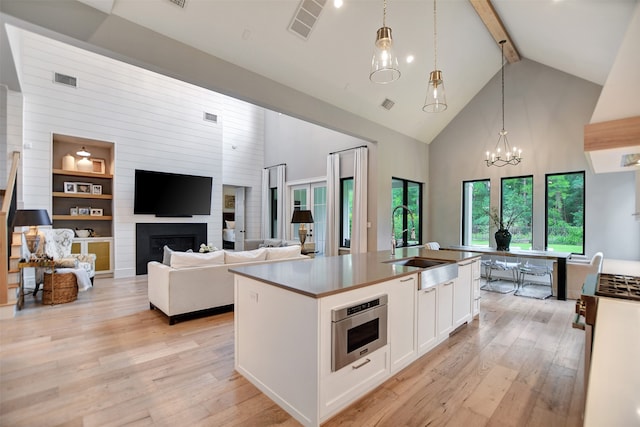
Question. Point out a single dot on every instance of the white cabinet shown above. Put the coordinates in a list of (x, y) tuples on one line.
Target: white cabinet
[(462, 294), (402, 322), (445, 310), (475, 288), (426, 319)]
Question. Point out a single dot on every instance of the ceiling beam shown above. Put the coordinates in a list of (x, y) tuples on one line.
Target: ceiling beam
[(492, 21)]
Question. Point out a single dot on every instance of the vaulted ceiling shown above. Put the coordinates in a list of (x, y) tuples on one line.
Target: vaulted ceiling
[(578, 37)]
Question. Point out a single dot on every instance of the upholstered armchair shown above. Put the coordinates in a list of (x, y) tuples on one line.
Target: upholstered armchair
[(577, 272), (57, 245)]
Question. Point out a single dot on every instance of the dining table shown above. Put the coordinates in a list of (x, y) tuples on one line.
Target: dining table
[(559, 257)]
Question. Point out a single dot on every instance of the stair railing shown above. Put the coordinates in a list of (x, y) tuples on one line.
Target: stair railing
[(6, 218)]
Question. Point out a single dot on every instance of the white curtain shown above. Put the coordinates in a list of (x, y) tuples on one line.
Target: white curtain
[(359, 214), (281, 209), (265, 222), (333, 205)]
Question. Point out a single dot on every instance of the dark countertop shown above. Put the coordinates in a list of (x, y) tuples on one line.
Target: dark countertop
[(325, 276)]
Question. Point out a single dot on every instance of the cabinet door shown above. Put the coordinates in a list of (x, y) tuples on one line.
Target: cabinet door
[(445, 310), (402, 322), (462, 295), (475, 268), (427, 319), (102, 249)]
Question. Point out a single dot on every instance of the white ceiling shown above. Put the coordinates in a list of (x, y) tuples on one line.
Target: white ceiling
[(579, 37)]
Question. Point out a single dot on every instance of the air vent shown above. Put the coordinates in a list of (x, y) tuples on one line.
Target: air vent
[(180, 3), (209, 117), (630, 160), (387, 104), (306, 17), (65, 80)]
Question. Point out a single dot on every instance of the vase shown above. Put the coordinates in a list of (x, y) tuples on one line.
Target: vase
[(503, 239)]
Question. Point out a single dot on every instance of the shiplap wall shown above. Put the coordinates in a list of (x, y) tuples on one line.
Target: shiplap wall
[(13, 134), (155, 123)]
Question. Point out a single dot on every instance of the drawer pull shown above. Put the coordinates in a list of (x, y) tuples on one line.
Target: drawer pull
[(427, 291), (362, 364), (406, 280), (448, 284)]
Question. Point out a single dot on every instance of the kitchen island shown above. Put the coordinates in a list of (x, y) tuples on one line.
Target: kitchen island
[(284, 325)]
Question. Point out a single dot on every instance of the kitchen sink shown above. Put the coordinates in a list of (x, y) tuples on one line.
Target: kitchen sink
[(433, 271), (421, 262)]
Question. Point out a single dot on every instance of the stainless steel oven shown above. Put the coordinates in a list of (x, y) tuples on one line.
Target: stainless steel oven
[(357, 330)]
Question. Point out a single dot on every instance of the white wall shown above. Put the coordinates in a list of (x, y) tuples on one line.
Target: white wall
[(155, 123), (545, 114)]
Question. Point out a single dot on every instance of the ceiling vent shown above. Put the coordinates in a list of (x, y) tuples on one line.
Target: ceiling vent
[(65, 80), (209, 117), (306, 17), (387, 104), (180, 3)]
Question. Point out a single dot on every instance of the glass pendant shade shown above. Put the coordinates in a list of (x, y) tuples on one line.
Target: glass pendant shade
[(83, 152), (384, 64), (436, 100)]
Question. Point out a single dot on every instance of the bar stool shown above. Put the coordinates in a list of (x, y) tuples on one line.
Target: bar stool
[(500, 263), (538, 268)]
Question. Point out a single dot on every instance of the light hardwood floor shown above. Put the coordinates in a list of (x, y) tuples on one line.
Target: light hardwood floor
[(107, 360)]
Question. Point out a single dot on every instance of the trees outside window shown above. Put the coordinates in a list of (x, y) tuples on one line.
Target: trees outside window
[(408, 230), (564, 218), (517, 204), (346, 211), (476, 199)]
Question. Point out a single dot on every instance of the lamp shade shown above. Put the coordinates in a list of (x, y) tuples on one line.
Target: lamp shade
[(301, 217), (31, 217)]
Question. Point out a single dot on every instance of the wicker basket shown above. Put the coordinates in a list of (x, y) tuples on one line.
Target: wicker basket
[(64, 289)]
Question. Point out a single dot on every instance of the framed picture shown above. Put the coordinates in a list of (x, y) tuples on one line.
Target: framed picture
[(96, 189), (229, 201), (84, 211), (83, 187), (70, 187), (73, 211), (97, 166), (96, 212)]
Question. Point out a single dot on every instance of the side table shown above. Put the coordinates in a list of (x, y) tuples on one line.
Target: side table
[(42, 263)]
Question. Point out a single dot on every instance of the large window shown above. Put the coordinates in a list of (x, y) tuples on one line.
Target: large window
[(476, 197), (565, 212), (346, 211), (407, 227), (516, 209), (274, 212)]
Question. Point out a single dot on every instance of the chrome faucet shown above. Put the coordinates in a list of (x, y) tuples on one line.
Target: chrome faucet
[(393, 231)]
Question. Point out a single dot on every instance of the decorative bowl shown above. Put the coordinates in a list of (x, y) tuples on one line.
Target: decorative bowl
[(82, 233)]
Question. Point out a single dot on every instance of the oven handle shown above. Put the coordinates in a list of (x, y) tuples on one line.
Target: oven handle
[(361, 365)]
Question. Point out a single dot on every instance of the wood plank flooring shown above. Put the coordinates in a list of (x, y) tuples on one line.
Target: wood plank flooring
[(107, 360)]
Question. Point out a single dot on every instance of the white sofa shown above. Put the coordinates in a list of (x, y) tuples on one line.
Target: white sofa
[(195, 283)]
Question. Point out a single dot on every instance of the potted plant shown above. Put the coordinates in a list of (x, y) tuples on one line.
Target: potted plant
[(503, 223)]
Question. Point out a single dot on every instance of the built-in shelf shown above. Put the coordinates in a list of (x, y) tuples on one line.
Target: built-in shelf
[(82, 218), (82, 174), (82, 195)]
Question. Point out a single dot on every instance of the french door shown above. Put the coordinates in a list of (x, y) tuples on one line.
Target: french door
[(311, 197)]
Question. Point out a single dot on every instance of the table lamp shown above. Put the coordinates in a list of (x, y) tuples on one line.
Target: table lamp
[(31, 218), (302, 217)]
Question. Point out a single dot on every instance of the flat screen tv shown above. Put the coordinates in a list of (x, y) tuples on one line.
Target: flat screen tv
[(171, 194)]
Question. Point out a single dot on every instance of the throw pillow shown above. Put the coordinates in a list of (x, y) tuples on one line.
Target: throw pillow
[(283, 252), (166, 256), (244, 256), (196, 259), (66, 263), (231, 224), (272, 243)]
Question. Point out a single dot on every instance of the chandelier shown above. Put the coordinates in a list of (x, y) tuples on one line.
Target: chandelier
[(503, 154)]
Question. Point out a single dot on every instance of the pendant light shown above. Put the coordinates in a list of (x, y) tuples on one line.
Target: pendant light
[(384, 65), (503, 154), (435, 101)]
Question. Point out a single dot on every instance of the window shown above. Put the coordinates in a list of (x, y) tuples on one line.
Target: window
[(407, 227), (346, 211), (516, 208), (274, 212), (564, 218), (475, 212), (311, 196)]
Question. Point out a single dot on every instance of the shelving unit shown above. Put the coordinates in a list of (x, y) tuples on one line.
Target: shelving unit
[(63, 202)]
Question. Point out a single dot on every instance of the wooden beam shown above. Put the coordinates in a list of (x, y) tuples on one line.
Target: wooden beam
[(612, 134), (492, 21)]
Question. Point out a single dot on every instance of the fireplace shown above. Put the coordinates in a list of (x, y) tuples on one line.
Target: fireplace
[(152, 237)]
